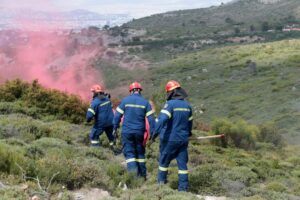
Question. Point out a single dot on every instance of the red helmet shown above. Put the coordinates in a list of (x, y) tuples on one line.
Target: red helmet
[(171, 85), (135, 85), (97, 88)]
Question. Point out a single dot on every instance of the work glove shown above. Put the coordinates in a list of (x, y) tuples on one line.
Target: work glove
[(115, 134)]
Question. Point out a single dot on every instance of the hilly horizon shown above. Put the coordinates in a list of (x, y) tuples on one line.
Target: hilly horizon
[(210, 66), (219, 20), (78, 18)]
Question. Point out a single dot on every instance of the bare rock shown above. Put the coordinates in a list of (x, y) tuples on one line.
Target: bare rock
[(24, 187), (123, 186), (60, 195), (35, 197), (90, 194), (211, 198), (2, 185)]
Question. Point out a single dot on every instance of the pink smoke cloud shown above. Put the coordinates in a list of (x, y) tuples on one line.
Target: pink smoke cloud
[(58, 59)]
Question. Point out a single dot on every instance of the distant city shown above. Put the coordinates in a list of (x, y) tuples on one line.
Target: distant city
[(77, 19)]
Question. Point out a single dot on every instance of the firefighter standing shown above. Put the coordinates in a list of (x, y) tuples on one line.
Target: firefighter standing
[(174, 127), (135, 109), (101, 111)]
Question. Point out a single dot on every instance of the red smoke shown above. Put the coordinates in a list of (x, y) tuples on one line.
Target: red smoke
[(58, 59)]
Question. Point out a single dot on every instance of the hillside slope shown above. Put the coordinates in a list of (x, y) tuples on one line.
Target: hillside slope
[(220, 20), (257, 82), (51, 158)]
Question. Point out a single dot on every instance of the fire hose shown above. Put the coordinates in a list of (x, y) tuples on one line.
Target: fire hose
[(221, 136), (208, 137)]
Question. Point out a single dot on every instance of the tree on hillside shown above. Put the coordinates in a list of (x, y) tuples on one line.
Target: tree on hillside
[(237, 30), (106, 27), (252, 28), (278, 27), (291, 19), (265, 26), (229, 20)]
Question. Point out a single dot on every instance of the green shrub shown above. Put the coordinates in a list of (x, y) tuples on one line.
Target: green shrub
[(15, 142), (74, 173), (115, 172), (255, 197), (132, 181), (294, 58), (269, 133), (243, 175), (50, 165), (263, 169), (11, 157), (18, 107), (46, 101), (13, 193), (202, 180), (29, 129), (98, 153), (268, 195), (297, 190), (13, 90), (296, 173), (91, 172), (154, 192), (276, 186), (159, 97), (295, 160), (51, 158), (239, 134)]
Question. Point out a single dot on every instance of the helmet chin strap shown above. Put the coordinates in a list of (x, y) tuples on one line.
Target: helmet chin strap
[(95, 94), (177, 93), (135, 91), (169, 95), (98, 94)]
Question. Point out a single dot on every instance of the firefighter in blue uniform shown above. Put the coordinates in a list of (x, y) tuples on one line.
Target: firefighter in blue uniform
[(135, 109), (174, 127), (101, 111)]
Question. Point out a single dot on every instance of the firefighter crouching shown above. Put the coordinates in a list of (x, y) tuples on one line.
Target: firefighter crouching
[(135, 109), (100, 110), (174, 127)]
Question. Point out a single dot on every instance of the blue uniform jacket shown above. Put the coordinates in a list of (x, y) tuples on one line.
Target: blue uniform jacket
[(101, 110), (134, 108), (175, 121)]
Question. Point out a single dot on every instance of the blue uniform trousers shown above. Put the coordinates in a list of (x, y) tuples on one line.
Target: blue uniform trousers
[(169, 151), (134, 153), (96, 132)]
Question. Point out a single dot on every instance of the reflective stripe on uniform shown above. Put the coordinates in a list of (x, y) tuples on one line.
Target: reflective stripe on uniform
[(120, 110), (164, 169), (166, 112), (140, 160), (135, 106), (182, 109), (103, 104), (183, 171), (95, 142), (130, 160), (191, 118), (149, 113), (92, 111)]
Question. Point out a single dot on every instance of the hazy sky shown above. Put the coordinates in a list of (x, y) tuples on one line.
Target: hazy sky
[(137, 8)]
